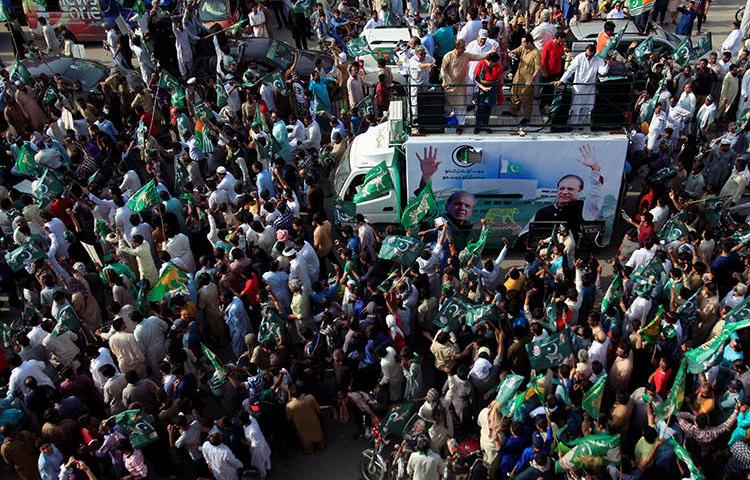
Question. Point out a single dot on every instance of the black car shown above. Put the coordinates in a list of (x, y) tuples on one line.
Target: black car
[(258, 48), (71, 69)]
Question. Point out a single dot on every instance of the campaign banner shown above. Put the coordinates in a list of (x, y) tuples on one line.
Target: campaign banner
[(511, 181)]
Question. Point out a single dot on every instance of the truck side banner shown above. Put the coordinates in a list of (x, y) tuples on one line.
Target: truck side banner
[(511, 181)]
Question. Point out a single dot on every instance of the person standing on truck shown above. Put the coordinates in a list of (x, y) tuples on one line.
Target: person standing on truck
[(522, 91), (585, 67), (552, 69), (420, 65), (50, 38), (454, 71)]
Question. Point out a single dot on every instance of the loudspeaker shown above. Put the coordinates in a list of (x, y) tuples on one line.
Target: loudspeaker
[(430, 110), (614, 99)]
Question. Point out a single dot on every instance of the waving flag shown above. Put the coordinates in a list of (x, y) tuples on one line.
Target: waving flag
[(681, 54), (202, 139), (420, 207), (358, 47), (592, 399), (650, 332), (403, 250), (25, 162), (676, 395), (24, 256), (612, 43), (144, 198), (549, 351), (590, 453), (138, 427), (505, 391), (614, 293), (171, 281), (377, 183), (644, 49), (48, 187)]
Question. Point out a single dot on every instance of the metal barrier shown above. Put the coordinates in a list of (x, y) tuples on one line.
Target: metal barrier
[(606, 105)]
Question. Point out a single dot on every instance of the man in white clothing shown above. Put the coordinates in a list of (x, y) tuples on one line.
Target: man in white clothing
[(733, 42), (544, 32), (313, 136), (585, 67), (744, 94), (219, 458), (470, 31)]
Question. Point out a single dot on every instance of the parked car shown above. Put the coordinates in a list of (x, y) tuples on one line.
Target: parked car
[(386, 39), (585, 33)]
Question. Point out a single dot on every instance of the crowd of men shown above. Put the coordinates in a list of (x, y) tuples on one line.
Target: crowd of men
[(182, 304)]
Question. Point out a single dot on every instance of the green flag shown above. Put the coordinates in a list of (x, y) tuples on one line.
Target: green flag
[(396, 419), (260, 119), (475, 248), (648, 113), (167, 81), (683, 456), (662, 173), (673, 229), (366, 106), (637, 7), (202, 137), (344, 212), (506, 390), (144, 198), (592, 399), (403, 250), (276, 81), (271, 324), (510, 168), (358, 47), (452, 313), (138, 427), (50, 96), (681, 54), (24, 256), (25, 162), (171, 281), (653, 268), (219, 376), (676, 395), (475, 312), (387, 284), (420, 207), (549, 351), (650, 332), (707, 355), (237, 25), (590, 453), (19, 72), (139, 6), (702, 47), (67, 317), (614, 293), (612, 43), (178, 98), (48, 187), (279, 50), (644, 49), (377, 183)]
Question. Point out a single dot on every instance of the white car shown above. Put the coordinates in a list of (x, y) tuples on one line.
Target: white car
[(384, 38)]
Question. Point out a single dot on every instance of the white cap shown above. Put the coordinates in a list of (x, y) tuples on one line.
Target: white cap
[(289, 252), (483, 33), (19, 83), (221, 170), (192, 81), (229, 76)]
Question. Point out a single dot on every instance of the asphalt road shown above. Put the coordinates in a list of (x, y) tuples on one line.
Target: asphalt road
[(340, 459)]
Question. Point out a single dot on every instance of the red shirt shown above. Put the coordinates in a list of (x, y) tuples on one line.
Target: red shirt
[(645, 232), (491, 74), (552, 58), (660, 381)]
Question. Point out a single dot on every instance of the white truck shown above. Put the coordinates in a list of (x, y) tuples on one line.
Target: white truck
[(512, 180)]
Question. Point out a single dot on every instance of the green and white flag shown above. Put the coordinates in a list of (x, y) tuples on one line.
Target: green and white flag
[(396, 419), (421, 207), (366, 106), (50, 96), (271, 324), (172, 281), (25, 161), (648, 113), (651, 331), (510, 168), (167, 81), (549, 351), (614, 293), (344, 212), (138, 427), (475, 248), (683, 456), (637, 7), (644, 49), (24, 255), (592, 399), (178, 98), (377, 183), (505, 391), (653, 268), (681, 54), (400, 249), (276, 81), (673, 229), (612, 43), (219, 377), (707, 355), (476, 312), (48, 187), (19, 72), (358, 47), (676, 395), (452, 313), (144, 198), (703, 46), (590, 453)]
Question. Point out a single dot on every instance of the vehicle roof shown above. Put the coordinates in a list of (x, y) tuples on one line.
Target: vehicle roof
[(590, 30), (386, 37), (88, 72)]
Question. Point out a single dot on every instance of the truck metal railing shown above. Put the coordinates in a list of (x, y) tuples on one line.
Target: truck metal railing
[(607, 106)]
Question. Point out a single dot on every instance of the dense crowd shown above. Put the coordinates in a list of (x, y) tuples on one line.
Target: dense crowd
[(182, 304)]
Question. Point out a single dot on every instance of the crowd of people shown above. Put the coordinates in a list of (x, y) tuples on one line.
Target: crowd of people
[(182, 303)]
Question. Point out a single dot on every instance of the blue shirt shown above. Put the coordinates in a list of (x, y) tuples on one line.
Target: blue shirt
[(49, 465), (320, 93), (685, 25), (428, 42), (107, 127), (264, 181)]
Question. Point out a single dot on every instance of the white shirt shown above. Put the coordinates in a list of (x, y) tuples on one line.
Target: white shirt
[(130, 183), (470, 31), (639, 257), (104, 358), (616, 14), (585, 72), (732, 42), (29, 368), (687, 101), (221, 461), (660, 214), (36, 335), (314, 136), (706, 115), (542, 34)]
